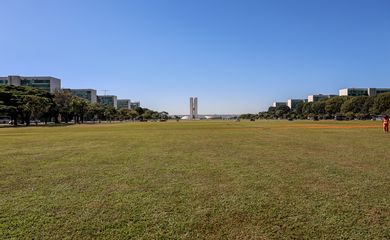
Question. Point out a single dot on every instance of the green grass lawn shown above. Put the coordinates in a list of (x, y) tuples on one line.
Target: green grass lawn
[(196, 180)]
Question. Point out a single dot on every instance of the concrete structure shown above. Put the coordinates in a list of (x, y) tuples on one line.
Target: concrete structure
[(124, 103), (193, 108), (317, 97), (376, 91), (134, 105), (87, 94), (277, 104), (46, 83), (362, 91), (353, 92), (109, 100), (293, 103)]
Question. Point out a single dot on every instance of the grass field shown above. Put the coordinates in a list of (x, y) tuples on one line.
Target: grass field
[(196, 180)]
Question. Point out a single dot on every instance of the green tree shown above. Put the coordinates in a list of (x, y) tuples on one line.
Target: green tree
[(140, 111), (164, 115), (282, 111), (354, 105), (381, 103), (307, 109), (333, 105), (19, 102), (37, 106), (109, 113), (318, 108), (79, 108), (63, 101)]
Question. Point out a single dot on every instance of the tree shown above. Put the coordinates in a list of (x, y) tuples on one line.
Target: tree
[(37, 106), (282, 111), (99, 110), (126, 114), (10, 102), (333, 105), (381, 103), (164, 115), (109, 112), (353, 105), (63, 100), (147, 114), (139, 110), (299, 108), (271, 112), (79, 108), (318, 108), (20, 102), (307, 108), (367, 108)]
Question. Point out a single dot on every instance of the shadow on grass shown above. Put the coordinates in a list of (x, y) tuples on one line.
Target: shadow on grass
[(39, 126)]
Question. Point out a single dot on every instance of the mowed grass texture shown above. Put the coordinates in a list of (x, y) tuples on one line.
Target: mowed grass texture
[(196, 180)]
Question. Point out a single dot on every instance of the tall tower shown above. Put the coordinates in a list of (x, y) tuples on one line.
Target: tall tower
[(195, 108), (191, 108)]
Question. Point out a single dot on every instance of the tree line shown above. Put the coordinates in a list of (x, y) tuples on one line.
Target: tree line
[(349, 107), (24, 105)]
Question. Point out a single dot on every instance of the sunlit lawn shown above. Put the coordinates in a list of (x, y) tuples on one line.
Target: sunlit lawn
[(196, 180)]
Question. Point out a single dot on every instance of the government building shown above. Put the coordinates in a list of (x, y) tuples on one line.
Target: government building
[(50, 84), (87, 94), (108, 100), (362, 91)]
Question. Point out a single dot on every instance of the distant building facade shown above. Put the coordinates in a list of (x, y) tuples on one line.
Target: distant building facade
[(293, 103), (87, 94), (376, 91), (134, 105), (318, 97), (362, 91), (193, 108), (124, 104), (108, 100), (277, 104), (50, 84)]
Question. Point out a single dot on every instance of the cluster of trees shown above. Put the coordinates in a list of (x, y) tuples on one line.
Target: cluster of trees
[(360, 107), (26, 104)]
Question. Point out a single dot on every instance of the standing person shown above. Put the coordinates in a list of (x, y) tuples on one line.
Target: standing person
[(386, 124)]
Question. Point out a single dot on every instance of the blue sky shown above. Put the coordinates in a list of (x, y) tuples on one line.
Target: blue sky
[(236, 56)]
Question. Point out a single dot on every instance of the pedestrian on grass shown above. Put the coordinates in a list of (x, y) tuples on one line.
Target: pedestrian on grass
[(386, 124)]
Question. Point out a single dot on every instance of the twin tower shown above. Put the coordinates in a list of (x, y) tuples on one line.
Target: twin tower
[(193, 108)]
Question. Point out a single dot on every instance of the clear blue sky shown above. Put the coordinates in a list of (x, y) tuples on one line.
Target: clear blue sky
[(236, 56)]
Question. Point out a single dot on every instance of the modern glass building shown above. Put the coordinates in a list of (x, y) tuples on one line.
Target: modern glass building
[(293, 103), (318, 97), (87, 94), (109, 100), (362, 91), (46, 83), (124, 104), (134, 105), (353, 92), (376, 91), (277, 104)]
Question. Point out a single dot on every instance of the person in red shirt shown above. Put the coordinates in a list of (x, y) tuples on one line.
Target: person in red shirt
[(386, 124)]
